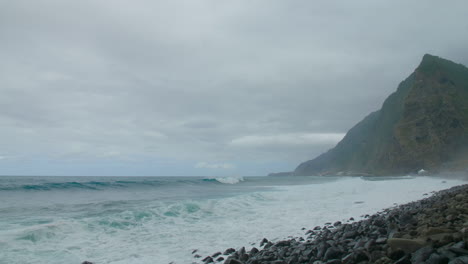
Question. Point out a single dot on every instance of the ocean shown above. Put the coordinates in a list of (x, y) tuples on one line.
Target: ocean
[(125, 220)]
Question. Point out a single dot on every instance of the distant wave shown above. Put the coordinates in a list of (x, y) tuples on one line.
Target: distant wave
[(97, 185), (226, 180), (50, 186), (89, 185)]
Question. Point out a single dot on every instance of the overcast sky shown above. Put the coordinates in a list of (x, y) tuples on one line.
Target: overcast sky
[(202, 87)]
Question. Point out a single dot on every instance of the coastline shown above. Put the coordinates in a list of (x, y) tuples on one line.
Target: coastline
[(431, 230)]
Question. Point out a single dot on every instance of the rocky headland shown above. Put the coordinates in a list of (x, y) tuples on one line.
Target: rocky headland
[(423, 125), (433, 230)]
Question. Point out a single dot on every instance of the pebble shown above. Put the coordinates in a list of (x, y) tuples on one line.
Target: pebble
[(433, 230)]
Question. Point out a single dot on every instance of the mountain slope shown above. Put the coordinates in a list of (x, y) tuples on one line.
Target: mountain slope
[(424, 124)]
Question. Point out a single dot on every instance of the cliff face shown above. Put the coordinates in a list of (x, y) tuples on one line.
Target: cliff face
[(424, 124)]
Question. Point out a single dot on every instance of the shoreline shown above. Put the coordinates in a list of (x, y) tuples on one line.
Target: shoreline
[(430, 230)]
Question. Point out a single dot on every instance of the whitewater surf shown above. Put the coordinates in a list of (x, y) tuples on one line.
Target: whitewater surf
[(164, 219)]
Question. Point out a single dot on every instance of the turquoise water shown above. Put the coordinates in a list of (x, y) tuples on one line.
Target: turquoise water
[(163, 219)]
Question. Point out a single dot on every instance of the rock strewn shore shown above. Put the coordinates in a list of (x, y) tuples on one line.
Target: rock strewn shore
[(433, 230)]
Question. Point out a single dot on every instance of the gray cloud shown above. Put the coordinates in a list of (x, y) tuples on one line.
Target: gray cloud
[(186, 80)]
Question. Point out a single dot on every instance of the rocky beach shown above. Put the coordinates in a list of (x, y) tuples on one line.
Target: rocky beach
[(432, 230)]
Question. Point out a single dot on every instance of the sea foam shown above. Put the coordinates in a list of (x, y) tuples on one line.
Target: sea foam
[(141, 226)]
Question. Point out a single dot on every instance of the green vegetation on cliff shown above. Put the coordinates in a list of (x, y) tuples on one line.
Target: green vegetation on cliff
[(424, 124)]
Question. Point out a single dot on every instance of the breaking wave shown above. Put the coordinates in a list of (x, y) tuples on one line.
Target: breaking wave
[(226, 180)]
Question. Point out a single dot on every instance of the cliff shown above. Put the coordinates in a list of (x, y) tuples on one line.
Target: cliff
[(424, 124)]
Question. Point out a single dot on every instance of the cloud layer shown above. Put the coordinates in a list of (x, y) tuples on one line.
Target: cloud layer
[(160, 87)]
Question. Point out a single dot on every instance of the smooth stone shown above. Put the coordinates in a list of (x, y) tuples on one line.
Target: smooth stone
[(381, 240), (407, 245), (459, 251), (422, 254), (459, 260), (436, 230), (460, 244), (348, 258), (350, 234), (332, 253)]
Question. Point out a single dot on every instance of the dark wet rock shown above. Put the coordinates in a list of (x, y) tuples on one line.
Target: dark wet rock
[(418, 232), (264, 241), (376, 254), (404, 260), (333, 253), (337, 223), (197, 256), (229, 251), (384, 260), (86, 262), (253, 251), (397, 254), (243, 257), (284, 243), (447, 253), (208, 259), (459, 251), (379, 222), (216, 254), (232, 261), (350, 234), (241, 251), (268, 244), (220, 259), (360, 256)]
